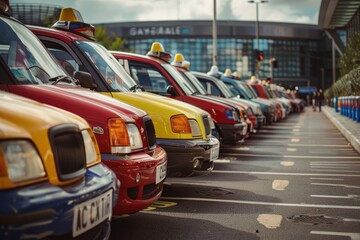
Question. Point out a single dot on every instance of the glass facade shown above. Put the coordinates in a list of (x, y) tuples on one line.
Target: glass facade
[(296, 59)]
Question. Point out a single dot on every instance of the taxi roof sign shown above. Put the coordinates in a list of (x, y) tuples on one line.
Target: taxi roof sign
[(179, 61), (70, 19), (157, 50), (71, 15)]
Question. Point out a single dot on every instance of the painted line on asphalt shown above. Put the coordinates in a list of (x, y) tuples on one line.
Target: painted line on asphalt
[(287, 174), (353, 236), (305, 145), (287, 163), (279, 185), (335, 185), (333, 162), (331, 167), (349, 196), (330, 179), (338, 170), (222, 161), (304, 205), (291, 156), (270, 221), (351, 220)]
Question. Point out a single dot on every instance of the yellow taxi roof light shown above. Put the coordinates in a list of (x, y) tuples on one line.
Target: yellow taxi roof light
[(236, 75), (186, 64), (228, 73), (70, 19), (178, 60), (157, 50), (71, 15)]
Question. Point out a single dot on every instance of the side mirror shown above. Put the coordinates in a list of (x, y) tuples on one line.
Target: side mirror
[(171, 90), (85, 80)]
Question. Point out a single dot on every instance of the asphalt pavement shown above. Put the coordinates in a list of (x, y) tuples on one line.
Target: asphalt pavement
[(348, 127)]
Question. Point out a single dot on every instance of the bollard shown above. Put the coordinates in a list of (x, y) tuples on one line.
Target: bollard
[(336, 104), (341, 106), (357, 108), (353, 108)]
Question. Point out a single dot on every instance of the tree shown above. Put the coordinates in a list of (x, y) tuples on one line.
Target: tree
[(109, 42), (351, 57)]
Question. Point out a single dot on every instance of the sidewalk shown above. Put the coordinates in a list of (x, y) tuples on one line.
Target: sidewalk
[(349, 128)]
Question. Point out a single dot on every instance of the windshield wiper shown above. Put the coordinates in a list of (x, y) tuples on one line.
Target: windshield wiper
[(61, 78), (135, 87)]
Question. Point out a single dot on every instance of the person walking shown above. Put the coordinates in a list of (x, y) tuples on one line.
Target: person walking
[(314, 100), (320, 99)]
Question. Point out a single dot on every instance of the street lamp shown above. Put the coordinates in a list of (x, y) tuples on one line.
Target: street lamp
[(257, 18), (257, 63)]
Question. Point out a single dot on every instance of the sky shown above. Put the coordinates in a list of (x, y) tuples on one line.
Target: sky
[(106, 11)]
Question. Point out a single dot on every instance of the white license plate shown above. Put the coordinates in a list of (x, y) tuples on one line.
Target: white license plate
[(160, 172), (92, 212), (214, 153)]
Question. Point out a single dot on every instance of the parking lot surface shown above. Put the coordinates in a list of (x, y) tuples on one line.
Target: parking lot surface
[(295, 179)]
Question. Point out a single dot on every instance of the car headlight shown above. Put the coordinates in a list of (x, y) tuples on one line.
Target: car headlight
[(123, 136), (90, 151), (231, 114), (134, 136), (22, 160), (180, 124), (195, 129)]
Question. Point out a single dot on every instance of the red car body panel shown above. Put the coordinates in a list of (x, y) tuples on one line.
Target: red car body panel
[(215, 109), (97, 109)]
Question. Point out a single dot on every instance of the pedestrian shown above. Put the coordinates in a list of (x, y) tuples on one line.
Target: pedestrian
[(320, 97), (314, 100)]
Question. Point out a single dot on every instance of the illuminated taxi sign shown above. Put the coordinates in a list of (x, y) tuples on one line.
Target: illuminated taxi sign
[(214, 71), (70, 19), (179, 61), (228, 73), (157, 50)]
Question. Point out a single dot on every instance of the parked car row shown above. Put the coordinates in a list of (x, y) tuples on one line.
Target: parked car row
[(87, 133)]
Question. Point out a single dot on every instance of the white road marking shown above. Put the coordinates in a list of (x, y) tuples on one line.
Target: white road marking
[(303, 205), (287, 174), (335, 185), (280, 185), (296, 130), (353, 236), (351, 220), (270, 221), (222, 161), (295, 140), (291, 156), (349, 196), (287, 163), (333, 162), (329, 170), (330, 179), (291, 149), (331, 167)]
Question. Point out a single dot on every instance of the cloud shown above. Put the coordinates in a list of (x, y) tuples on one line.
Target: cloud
[(102, 11)]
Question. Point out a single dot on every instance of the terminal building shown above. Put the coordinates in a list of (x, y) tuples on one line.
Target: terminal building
[(306, 55), (300, 50)]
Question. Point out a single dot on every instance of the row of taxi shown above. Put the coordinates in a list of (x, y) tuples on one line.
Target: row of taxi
[(83, 136)]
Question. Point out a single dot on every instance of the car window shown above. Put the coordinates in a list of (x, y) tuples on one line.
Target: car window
[(26, 57), (149, 78)]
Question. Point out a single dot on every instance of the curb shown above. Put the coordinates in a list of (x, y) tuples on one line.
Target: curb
[(339, 121)]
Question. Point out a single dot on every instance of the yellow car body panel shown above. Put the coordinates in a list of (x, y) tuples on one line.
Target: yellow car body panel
[(161, 109), (21, 118)]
